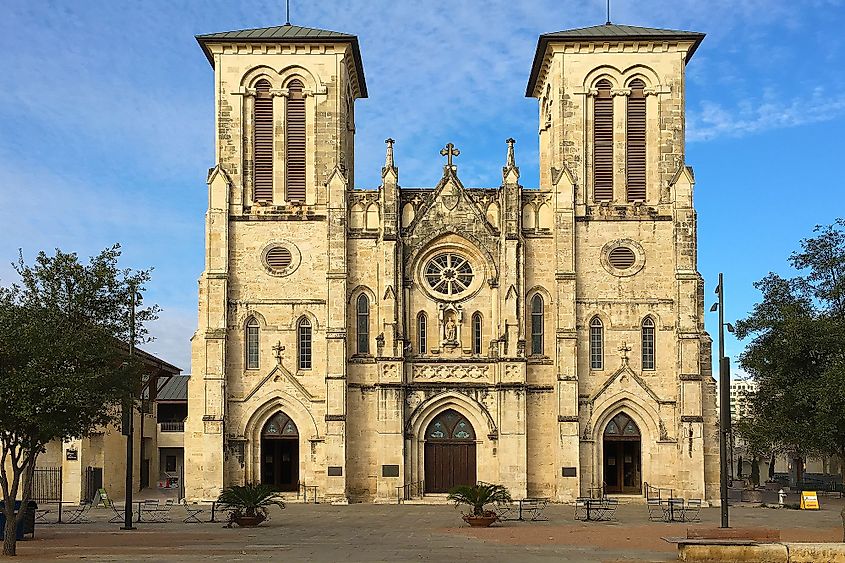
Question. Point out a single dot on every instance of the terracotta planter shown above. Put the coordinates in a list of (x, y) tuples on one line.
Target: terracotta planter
[(480, 521), (249, 521)]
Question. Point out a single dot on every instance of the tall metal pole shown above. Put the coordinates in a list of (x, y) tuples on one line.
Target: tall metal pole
[(130, 423), (724, 405)]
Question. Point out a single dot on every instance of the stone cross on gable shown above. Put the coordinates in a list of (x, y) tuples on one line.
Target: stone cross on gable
[(449, 151), (624, 349), (278, 350)]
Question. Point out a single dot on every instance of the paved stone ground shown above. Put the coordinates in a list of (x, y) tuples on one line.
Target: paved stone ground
[(364, 533)]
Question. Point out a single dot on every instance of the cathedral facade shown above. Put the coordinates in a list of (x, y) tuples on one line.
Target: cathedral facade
[(393, 342)]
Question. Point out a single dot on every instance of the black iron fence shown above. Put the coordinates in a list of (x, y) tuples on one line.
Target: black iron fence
[(47, 484)]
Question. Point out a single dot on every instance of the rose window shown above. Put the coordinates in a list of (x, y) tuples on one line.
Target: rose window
[(448, 274)]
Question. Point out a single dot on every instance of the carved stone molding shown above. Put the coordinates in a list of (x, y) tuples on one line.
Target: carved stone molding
[(460, 372)]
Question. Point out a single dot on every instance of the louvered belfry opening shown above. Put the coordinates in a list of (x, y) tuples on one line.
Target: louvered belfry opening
[(636, 142), (603, 143), (263, 142), (295, 142)]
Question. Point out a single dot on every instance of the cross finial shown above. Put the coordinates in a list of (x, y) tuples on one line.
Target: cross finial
[(278, 349), (388, 158), (511, 159), (449, 151), (624, 349)]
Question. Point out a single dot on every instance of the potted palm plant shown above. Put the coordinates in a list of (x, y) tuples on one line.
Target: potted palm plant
[(477, 496), (248, 504)]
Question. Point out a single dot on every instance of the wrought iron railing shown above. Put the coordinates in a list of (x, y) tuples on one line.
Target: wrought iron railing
[(597, 492), (47, 484), (410, 491), (172, 426), (307, 491)]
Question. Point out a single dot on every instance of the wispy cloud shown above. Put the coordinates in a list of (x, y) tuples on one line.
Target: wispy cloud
[(711, 120)]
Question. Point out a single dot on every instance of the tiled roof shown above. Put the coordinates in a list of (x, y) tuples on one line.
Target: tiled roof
[(607, 32), (286, 34)]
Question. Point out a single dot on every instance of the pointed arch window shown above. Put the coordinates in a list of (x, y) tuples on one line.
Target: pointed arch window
[(476, 333), (648, 343), (303, 334), (422, 332), (263, 142), (603, 143), (537, 325), (252, 344), (596, 344), (362, 325), (636, 142), (295, 142)]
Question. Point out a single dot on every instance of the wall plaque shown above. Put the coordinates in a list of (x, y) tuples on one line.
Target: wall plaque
[(335, 471), (390, 471)]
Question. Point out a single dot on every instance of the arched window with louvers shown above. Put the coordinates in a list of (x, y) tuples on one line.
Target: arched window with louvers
[(636, 142), (263, 142), (295, 173), (603, 142), (362, 324), (648, 344), (596, 344), (252, 343)]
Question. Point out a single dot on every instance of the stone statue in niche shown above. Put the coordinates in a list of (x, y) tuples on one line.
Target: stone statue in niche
[(451, 330)]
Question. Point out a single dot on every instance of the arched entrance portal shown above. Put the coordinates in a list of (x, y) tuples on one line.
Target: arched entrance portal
[(449, 452), (280, 453), (622, 469)]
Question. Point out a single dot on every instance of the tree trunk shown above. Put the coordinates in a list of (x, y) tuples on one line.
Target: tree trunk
[(10, 539)]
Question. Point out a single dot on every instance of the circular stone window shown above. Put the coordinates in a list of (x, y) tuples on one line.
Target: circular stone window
[(449, 274), (280, 258), (622, 257)]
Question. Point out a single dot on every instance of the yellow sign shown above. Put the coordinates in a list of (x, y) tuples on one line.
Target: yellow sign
[(809, 500)]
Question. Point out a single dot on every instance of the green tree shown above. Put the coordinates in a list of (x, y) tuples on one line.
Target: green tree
[(797, 353), (63, 362)]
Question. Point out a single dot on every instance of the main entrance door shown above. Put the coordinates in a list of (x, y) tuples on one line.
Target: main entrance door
[(622, 469), (449, 452), (280, 453)]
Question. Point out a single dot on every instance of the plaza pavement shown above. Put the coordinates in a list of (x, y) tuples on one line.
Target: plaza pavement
[(366, 532)]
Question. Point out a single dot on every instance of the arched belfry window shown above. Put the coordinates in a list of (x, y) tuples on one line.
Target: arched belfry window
[(476, 333), (648, 343), (303, 333), (596, 344), (252, 344), (362, 325), (636, 142), (603, 143), (295, 142), (422, 332), (537, 325), (263, 142)]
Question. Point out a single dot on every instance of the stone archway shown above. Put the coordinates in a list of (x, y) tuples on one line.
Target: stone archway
[(280, 453), (450, 457), (622, 455)]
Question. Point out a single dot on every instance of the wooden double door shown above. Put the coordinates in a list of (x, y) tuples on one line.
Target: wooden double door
[(280, 463), (449, 464), (622, 466)]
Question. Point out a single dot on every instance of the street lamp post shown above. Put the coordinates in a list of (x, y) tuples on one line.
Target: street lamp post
[(129, 422), (724, 401)]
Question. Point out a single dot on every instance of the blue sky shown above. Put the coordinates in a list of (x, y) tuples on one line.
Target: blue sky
[(106, 114)]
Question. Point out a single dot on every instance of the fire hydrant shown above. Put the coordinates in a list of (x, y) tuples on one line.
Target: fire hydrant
[(781, 497)]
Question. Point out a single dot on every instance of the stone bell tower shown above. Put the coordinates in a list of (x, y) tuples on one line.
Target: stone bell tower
[(275, 270), (611, 134)]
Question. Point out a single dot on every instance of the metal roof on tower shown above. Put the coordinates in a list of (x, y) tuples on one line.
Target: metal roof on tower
[(286, 34), (607, 32)]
